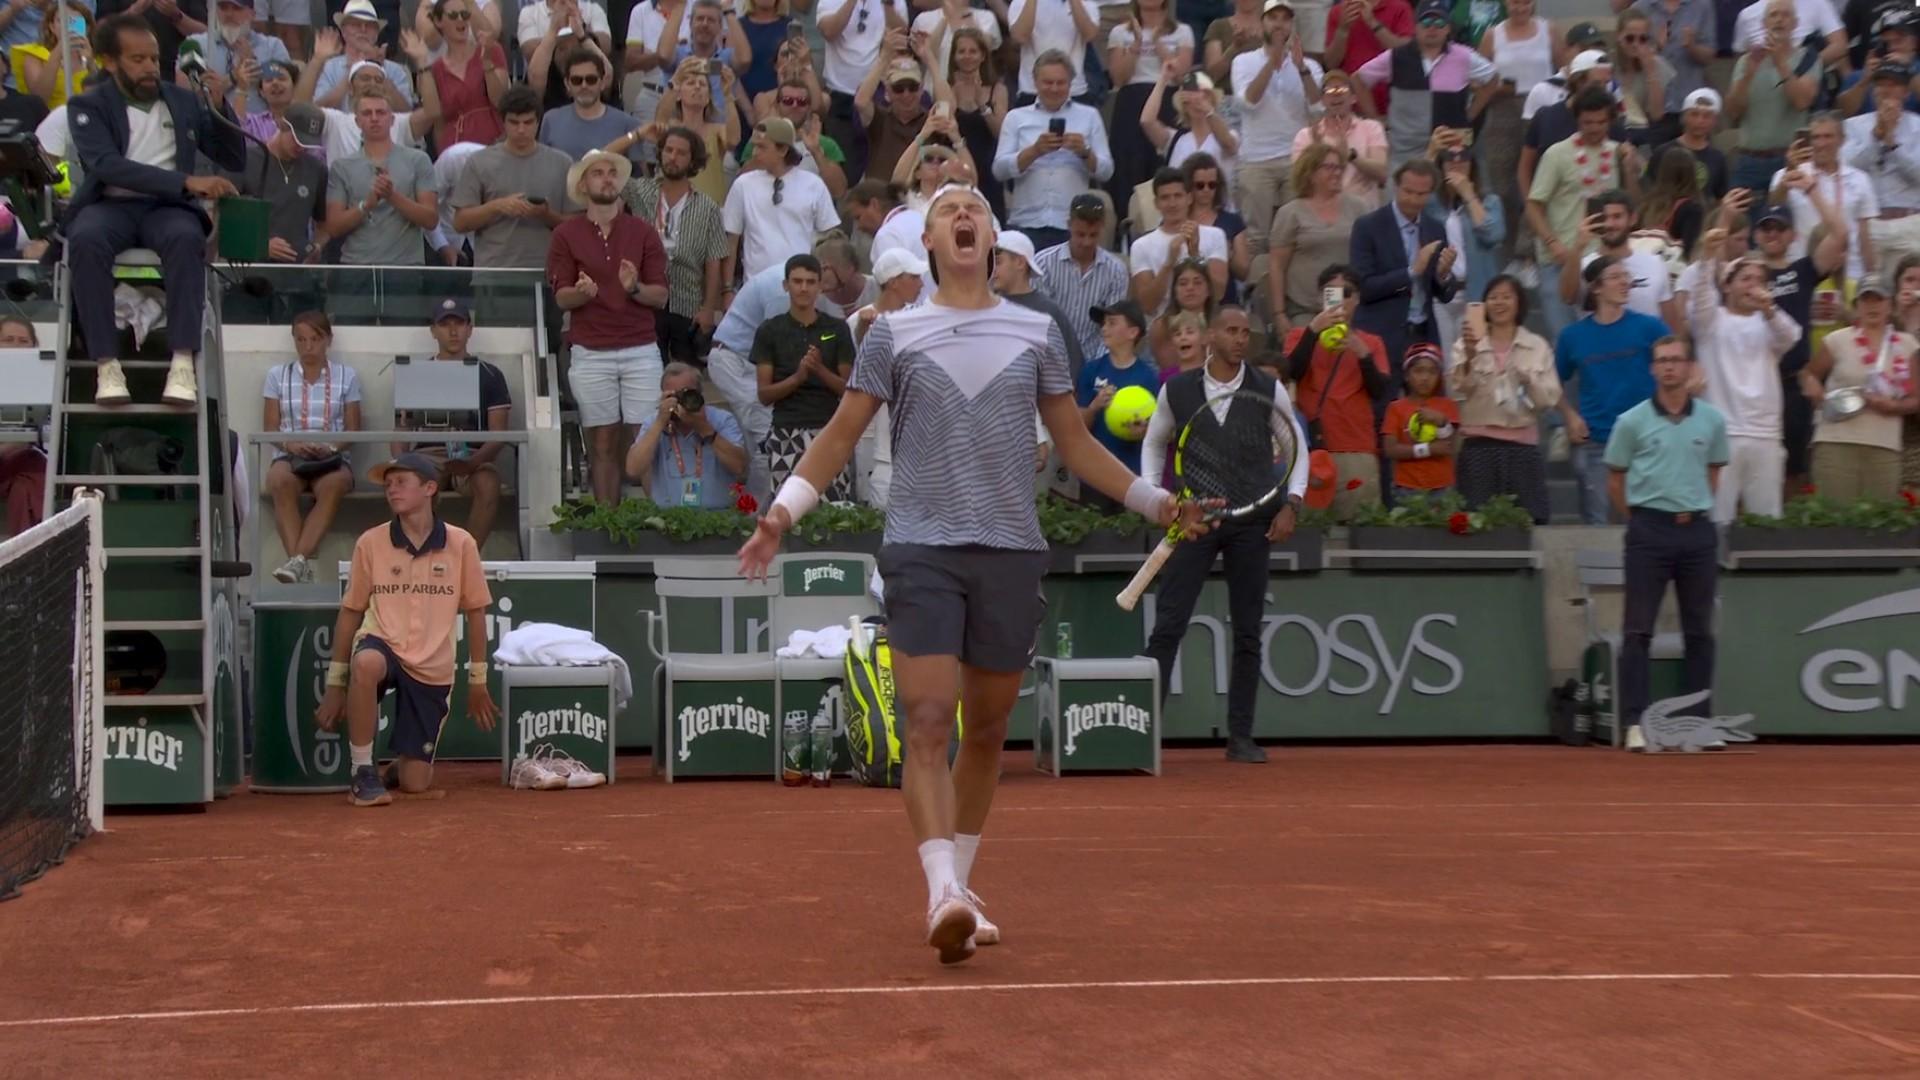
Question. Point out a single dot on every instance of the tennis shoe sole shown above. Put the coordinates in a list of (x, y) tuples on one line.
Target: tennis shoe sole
[(950, 929)]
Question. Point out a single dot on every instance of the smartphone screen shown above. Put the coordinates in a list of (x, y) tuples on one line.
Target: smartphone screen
[(1057, 125)]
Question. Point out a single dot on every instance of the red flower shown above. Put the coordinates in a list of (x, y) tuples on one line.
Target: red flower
[(1354, 484), (1809, 490), (745, 503), (1912, 499), (1458, 524)]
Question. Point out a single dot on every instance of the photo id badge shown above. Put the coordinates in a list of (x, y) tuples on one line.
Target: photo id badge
[(690, 491)]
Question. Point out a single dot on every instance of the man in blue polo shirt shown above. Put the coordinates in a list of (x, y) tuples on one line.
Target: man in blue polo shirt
[(1664, 458), (1608, 352)]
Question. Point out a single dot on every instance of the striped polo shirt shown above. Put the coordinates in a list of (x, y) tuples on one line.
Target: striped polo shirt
[(414, 596), (962, 386)]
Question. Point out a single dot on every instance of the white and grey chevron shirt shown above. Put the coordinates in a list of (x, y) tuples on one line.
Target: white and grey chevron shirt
[(962, 386)]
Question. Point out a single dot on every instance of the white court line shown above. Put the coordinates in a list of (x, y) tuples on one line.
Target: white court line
[(977, 988), (1106, 808)]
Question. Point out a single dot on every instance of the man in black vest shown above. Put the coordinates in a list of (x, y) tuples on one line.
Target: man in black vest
[(1242, 545)]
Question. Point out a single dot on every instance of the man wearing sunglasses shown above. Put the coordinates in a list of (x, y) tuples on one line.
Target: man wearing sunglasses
[(819, 153), (1434, 83), (855, 32), (893, 129), (588, 123)]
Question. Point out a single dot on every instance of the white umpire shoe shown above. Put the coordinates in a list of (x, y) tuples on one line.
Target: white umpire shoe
[(110, 384), (1636, 739), (951, 922), (985, 932), (181, 389)]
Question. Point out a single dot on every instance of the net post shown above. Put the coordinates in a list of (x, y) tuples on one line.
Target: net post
[(94, 716)]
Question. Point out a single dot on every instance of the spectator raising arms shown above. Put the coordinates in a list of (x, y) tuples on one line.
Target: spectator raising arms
[(1504, 381)]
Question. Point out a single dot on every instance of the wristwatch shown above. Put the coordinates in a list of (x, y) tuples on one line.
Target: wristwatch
[(1295, 501)]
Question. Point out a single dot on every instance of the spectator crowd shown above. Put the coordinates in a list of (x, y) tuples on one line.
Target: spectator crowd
[(1440, 215)]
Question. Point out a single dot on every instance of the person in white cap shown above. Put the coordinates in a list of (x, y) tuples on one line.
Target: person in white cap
[(1699, 116), (963, 555), (900, 275), (358, 39), (1013, 278), (1279, 88), (410, 126), (1552, 120)]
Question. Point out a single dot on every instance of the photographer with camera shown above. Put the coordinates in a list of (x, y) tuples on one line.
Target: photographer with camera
[(692, 454)]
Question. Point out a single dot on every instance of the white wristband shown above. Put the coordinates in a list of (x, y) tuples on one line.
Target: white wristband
[(1146, 500), (797, 497), (1445, 432), (1422, 450)]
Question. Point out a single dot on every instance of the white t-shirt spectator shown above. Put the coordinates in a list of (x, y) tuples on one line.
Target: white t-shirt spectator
[(1750, 28), (1857, 201), (940, 35), (771, 234), (342, 136), (1549, 91), (1053, 28), (534, 18), (1151, 253), (1146, 69), (1652, 282), (851, 55), (1267, 127), (644, 27)]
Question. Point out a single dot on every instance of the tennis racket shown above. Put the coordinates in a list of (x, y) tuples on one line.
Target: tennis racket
[(1241, 463)]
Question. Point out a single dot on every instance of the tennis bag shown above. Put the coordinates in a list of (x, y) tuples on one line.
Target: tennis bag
[(873, 713)]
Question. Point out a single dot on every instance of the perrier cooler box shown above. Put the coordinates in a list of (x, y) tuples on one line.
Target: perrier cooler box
[(567, 709)]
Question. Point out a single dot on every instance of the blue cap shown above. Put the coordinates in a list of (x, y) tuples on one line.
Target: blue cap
[(453, 308), (418, 464), (1431, 8), (1778, 214)]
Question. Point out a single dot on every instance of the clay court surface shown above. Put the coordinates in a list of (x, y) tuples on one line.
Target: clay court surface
[(1366, 911)]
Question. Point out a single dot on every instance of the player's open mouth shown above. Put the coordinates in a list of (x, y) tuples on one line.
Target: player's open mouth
[(966, 237)]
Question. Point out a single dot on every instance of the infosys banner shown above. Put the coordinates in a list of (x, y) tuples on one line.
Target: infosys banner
[(1821, 653), (1344, 654)]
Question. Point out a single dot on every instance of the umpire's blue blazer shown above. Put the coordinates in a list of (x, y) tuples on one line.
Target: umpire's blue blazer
[(97, 118)]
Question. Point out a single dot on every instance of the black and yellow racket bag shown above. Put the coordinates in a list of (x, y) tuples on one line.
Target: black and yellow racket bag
[(873, 713)]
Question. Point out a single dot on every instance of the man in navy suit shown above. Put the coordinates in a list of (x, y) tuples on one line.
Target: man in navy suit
[(136, 138), (1404, 264)]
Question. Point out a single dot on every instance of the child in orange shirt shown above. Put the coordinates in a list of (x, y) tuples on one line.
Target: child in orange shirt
[(1422, 459)]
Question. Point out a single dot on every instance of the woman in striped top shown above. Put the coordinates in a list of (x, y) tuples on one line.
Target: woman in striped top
[(309, 393)]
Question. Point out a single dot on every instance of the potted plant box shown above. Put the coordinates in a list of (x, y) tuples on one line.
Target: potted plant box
[(1812, 534), (1441, 525)]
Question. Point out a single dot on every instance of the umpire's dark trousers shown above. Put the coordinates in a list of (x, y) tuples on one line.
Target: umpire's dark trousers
[(1665, 547), (104, 229), (1243, 549)]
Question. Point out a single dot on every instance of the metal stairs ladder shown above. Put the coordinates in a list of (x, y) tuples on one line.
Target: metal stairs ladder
[(173, 690)]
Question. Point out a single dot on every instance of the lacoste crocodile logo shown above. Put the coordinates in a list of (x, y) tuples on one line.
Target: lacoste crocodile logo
[(1667, 728)]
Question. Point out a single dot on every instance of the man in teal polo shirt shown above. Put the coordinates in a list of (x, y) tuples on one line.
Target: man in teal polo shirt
[(1664, 459)]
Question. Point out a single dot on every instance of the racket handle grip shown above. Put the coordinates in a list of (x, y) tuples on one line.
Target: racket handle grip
[(1143, 577)]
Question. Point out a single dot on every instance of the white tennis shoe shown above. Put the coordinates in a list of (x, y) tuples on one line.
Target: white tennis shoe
[(951, 922), (985, 932), (576, 772), (537, 773)]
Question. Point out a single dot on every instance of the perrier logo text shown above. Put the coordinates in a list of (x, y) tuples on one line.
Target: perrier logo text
[(1104, 714), (547, 723), (707, 719), (826, 572)]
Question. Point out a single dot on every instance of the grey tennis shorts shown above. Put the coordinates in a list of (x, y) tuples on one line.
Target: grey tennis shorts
[(981, 604)]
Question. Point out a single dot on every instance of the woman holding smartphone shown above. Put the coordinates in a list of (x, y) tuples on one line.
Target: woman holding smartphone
[(1503, 377)]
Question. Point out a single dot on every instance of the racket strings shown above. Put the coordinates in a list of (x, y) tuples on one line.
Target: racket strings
[(1242, 465)]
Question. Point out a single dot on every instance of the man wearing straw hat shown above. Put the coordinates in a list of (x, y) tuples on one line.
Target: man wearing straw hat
[(360, 30), (608, 271)]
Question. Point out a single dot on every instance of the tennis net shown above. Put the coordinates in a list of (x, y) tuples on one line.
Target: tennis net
[(50, 696)]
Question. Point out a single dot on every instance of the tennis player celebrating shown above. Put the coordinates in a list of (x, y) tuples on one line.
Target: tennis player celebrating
[(411, 579), (963, 554)]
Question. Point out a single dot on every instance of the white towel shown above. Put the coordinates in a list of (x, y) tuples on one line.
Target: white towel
[(827, 643), (538, 644)]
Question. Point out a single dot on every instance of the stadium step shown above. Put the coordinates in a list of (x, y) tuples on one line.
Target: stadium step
[(156, 625), (154, 701), (172, 480), (129, 410)]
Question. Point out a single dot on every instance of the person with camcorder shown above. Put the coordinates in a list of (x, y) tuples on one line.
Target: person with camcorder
[(692, 454)]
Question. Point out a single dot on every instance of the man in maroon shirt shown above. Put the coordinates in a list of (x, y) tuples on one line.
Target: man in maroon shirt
[(608, 270)]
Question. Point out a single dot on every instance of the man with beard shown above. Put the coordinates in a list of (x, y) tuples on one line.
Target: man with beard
[(1609, 222), (136, 138), (513, 193), (963, 556), (234, 53), (609, 270), (689, 225), (587, 122)]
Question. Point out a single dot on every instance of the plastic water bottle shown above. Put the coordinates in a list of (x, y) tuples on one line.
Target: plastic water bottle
[(1063, 641), (821, 742), (795, 750)]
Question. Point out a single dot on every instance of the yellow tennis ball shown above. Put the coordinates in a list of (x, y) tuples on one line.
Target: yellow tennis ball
[(1420, 431), (1334, 337), (1131, 405)]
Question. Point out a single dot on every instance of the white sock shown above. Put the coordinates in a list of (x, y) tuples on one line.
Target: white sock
[(936, 860), (183, 356), (362, 755), (965, 846)]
